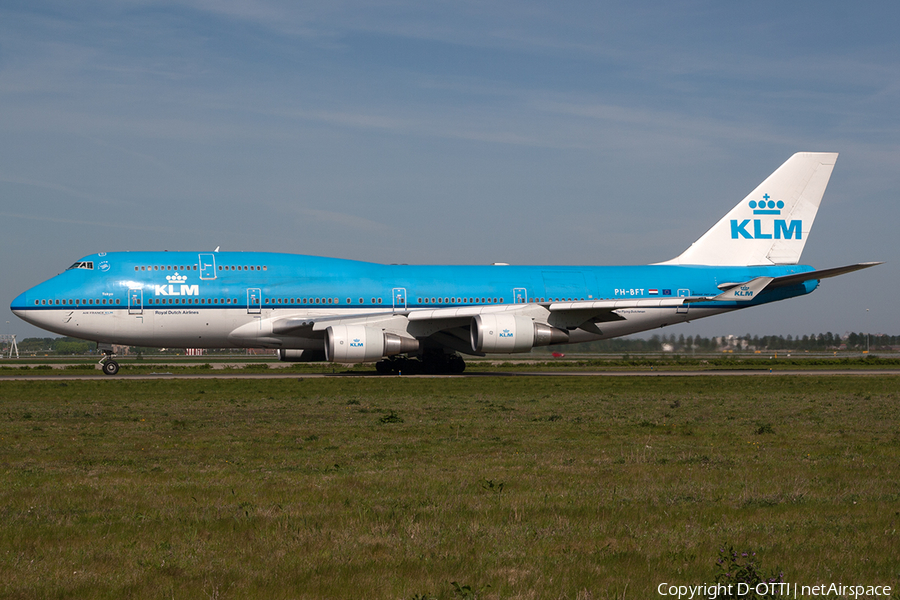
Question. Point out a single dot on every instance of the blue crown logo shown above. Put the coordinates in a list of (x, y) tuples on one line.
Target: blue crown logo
[(766, 206)]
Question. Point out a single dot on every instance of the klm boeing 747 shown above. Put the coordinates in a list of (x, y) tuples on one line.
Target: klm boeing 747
[(409, 317)]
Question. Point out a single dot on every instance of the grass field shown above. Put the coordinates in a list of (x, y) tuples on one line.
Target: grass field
[(525, 487), (209, 365)]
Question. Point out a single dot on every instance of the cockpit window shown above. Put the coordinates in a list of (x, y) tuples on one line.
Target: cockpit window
[(83, 264)]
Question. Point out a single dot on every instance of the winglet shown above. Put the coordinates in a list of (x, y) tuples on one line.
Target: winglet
[(744, 292)]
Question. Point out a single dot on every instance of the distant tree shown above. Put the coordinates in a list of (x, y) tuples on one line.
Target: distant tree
[(72, 347), (35, 344)]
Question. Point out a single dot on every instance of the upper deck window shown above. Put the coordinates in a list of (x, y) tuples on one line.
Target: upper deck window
[(83, 264)]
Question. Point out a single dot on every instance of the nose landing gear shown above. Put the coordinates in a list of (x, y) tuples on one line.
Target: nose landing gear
[(107, 363)]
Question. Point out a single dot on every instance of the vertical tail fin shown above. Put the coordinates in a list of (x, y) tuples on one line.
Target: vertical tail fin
[(770, 226)]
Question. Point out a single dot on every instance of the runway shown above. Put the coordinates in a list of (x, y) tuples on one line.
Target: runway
[(475, 374)]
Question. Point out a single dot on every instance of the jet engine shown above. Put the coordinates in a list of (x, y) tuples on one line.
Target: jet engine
[(357, 343), (511, 333)]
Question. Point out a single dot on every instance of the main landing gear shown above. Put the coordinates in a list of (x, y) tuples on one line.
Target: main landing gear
[(108, 363), (432, 363)]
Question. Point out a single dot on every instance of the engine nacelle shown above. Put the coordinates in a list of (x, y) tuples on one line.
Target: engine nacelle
[(512, 333), (357, 343), (306, 355)]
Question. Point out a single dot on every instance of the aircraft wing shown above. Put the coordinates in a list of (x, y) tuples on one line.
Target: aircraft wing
[(441, 323), (449, 326)]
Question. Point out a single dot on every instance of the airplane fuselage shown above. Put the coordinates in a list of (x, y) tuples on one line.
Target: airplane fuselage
[(197, 300)]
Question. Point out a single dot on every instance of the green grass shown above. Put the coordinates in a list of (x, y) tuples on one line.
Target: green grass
[(524, 487), (529, 363)]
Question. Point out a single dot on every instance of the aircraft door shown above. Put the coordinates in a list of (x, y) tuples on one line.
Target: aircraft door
[(254, 301), (135, 301), (399, 296), (683, 309), (207, 266), (520, 296)]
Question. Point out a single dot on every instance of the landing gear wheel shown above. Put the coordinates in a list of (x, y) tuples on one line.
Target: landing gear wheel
[(384, 367), (110, 367), (439, 364), (457, 364)]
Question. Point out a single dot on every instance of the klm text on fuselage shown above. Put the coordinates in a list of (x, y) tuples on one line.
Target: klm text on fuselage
[(171, 290)]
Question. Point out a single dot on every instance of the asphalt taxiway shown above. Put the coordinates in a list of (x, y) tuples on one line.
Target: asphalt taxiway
[(224, 374)]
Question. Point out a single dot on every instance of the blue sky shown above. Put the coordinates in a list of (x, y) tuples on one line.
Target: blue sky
[(438, 132)]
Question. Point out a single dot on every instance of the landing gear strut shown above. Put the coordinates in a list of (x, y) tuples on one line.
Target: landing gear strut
[(431, 363), (108, 363)]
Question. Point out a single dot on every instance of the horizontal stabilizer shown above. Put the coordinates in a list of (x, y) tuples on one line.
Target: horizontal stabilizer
[(748, 290), (823, 274)]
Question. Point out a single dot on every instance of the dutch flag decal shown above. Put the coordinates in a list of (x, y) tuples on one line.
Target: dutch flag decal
[(654, 292)]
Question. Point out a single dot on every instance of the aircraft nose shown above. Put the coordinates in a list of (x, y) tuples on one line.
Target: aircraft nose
[(19, 304)]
